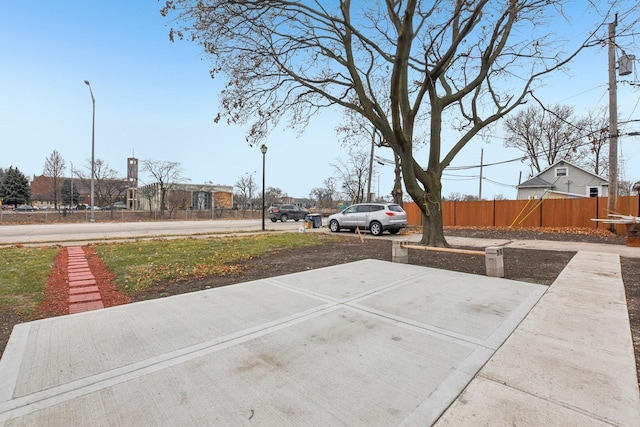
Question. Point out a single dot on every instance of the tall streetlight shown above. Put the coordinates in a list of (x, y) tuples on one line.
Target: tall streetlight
[(71, 201), (93, 135), (263, 150)]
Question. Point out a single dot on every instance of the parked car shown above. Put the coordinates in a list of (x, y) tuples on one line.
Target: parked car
[(8, 207), (117, 206), (26, 208), (286, 212), (375, 217)]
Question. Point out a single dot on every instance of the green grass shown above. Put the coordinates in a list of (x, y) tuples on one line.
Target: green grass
[(140, 265), (23, 277)]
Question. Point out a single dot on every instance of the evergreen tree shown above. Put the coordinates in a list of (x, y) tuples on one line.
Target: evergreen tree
[(14, 188), (65, 194)]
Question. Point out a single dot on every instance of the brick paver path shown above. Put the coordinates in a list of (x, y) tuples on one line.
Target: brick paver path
[(83, 291)]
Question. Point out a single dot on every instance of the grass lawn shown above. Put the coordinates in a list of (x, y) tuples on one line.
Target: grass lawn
[(23, 277), (139, 265)]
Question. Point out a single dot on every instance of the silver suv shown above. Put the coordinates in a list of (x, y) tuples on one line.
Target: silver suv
[(375, 217)]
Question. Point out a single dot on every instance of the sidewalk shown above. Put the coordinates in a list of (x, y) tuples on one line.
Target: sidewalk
[(546, 245), (570, 362)]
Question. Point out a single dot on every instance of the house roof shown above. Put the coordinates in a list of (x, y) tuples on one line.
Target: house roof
[(535, 182), (561, 162)]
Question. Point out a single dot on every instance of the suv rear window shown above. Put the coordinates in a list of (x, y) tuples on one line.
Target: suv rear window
[(396, 208)]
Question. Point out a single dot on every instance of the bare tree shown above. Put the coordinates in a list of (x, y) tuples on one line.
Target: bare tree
[(246, 189), (544, 135), (356, 129), (454, 197), (593, 154), (108, 186), (467, 63), (149, 193), (274, 195), (626, 187), (53, 169), (326, 195), (460, 197), (166, 175), (353, 173), (177, 199)]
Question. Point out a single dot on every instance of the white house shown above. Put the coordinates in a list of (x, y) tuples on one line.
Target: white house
[(563, 179)]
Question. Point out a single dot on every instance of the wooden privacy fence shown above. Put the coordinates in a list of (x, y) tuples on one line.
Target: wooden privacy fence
[(529, 213)]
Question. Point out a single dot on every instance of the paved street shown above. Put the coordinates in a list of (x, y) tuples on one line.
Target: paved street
[(81, 232)]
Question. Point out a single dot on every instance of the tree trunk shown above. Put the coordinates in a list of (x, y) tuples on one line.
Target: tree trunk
[(432, 228), (397, 184), (432, 223)]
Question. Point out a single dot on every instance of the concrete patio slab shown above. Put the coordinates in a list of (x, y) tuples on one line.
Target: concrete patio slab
[(366, 343)]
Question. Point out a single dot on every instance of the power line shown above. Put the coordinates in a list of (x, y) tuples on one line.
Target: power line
[(499, 183), (460, 176)]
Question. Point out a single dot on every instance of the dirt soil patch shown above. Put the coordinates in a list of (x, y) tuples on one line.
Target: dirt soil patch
[(526, 265)]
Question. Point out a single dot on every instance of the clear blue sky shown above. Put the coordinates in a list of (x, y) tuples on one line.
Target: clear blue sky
[(156, 100)]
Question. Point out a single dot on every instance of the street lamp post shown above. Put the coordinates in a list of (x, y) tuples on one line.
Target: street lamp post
[(93, 134), (263, 150), (71, 201)]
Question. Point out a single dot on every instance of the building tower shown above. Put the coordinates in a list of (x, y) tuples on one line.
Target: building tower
[(132, 183)]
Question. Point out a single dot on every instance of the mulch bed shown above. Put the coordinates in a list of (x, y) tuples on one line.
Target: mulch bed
[(56, 293)]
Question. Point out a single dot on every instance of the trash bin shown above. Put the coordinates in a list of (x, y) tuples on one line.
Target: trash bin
[(315, 219)]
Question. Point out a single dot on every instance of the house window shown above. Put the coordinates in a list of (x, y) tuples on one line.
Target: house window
[(594, 191), (562, 171)]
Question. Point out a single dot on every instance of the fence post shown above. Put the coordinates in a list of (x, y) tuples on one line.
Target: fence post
[(494, 211), (540, 205), (455, 213)]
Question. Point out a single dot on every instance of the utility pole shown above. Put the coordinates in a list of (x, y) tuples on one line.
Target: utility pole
[(373, 144), (613, 124)]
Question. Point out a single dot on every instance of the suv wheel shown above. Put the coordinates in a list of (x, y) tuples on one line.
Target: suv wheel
[(334, 226), (284, 218), (273, 219), (376, 228)]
